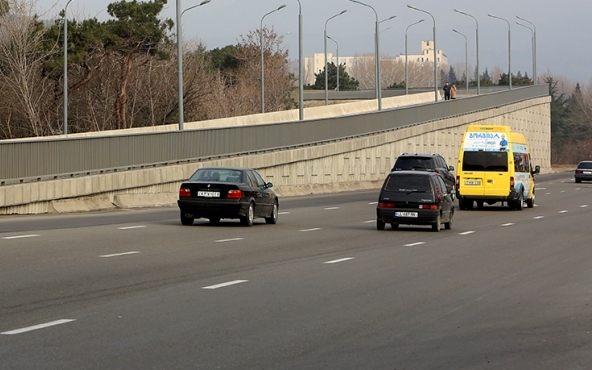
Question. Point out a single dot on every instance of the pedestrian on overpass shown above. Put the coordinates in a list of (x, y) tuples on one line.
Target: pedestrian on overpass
[(446, 89), (453, 91)]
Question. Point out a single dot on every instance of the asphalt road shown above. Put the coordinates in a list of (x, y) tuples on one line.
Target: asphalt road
[(322, 289)]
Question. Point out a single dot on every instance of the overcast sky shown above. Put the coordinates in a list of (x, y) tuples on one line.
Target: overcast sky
[(562, 28)]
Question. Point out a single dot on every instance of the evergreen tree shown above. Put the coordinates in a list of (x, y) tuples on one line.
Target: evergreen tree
[(451, 75), (345, 81)]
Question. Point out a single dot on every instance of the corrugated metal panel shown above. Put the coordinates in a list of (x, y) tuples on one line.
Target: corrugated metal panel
[(41, 159)]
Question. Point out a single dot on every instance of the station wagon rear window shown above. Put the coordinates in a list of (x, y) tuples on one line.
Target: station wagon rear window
[(408, 183)]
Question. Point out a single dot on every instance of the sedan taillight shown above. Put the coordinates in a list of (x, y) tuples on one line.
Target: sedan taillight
[(428, 206), (184, 193), (234, 194)]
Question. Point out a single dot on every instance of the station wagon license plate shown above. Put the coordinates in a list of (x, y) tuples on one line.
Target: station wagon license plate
[(405, 214), (472, 182), (208, 194)]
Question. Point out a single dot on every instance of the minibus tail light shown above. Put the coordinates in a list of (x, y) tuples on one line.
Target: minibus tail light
[(457, 182), (511, 182)]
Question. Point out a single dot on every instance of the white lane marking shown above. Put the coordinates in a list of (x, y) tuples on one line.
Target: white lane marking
[(37, 327), (583, 206), (508, 224), (19, 236), (340, 260), (227, 240), (283, 213), (537, 188), (538, 217), (131, 227), (119, 254), (223, 285), (414, 244), (373, 203), (562, 191), (368, 222), (314, 229), (331, 208), (466, 233), (564, 211), (547, 193)]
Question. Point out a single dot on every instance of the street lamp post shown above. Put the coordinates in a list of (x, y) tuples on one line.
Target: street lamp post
[(300, 65), (263, 59), (337, 48), (376, 56), (406, 63), (466, 58), (180, 58), (66, 69), (326, 64), (534, 48), (509, 49), (435, 57), (477, 48)]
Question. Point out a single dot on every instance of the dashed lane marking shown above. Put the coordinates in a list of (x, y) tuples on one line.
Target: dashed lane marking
[(119, 254), (227, 240), (19, 237), (340, 260), (131, 227), (414, 244), (313, 229), (37, 327), (466, 233), (223, 285)]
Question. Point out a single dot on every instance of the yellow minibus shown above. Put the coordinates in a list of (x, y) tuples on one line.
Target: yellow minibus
[(494, 166)]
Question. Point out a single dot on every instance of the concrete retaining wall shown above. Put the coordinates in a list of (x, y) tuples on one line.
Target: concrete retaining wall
[(359, 163)]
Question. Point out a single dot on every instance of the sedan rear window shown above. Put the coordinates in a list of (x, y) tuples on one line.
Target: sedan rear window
[(585, 165), (217, 174)]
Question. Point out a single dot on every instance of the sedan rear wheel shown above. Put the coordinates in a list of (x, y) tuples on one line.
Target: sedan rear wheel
[(214, 220), (187, 218), (448, 225), (272, 219), (248, 219)]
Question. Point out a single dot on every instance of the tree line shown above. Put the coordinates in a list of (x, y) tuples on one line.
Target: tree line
[(122, 73)]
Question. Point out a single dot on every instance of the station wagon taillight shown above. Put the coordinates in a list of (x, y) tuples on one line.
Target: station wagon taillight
[(386, 205), (184, 193), (234, 194), (428, 206), (512, 183)]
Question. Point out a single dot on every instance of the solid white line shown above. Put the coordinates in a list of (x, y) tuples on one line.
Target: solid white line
[(37, 327), (466, 233), (19, 236), (227, 240), (538, 217), (508, 224), (225, 284), (414, 244), (340, 260), (315, 229), (331, 208), (118, 254), (131, 227)]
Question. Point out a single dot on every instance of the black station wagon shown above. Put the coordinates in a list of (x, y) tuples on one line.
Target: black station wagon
[(414, 198), (227, 192)]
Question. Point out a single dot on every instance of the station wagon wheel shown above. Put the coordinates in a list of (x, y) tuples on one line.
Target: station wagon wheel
[(272, 219), (248, 219), (448, 225), (394, 226), (379, 225), (214, 220), (187, 218), (436, 227)]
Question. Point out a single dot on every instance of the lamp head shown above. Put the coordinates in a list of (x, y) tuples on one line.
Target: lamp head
[(281, 7)]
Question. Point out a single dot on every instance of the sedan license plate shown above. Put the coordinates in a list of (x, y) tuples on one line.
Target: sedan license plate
[(208, 194), (472, 182), (405, 214)]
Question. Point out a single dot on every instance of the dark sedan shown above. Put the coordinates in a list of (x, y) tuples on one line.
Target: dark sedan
[(583, 171), (227, 192)]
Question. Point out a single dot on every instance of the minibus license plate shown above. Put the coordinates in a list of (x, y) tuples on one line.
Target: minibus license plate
[(472, 182), (208, 194), (405, 214)]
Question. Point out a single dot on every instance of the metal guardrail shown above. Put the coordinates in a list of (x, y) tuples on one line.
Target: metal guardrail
[(38, 160)]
